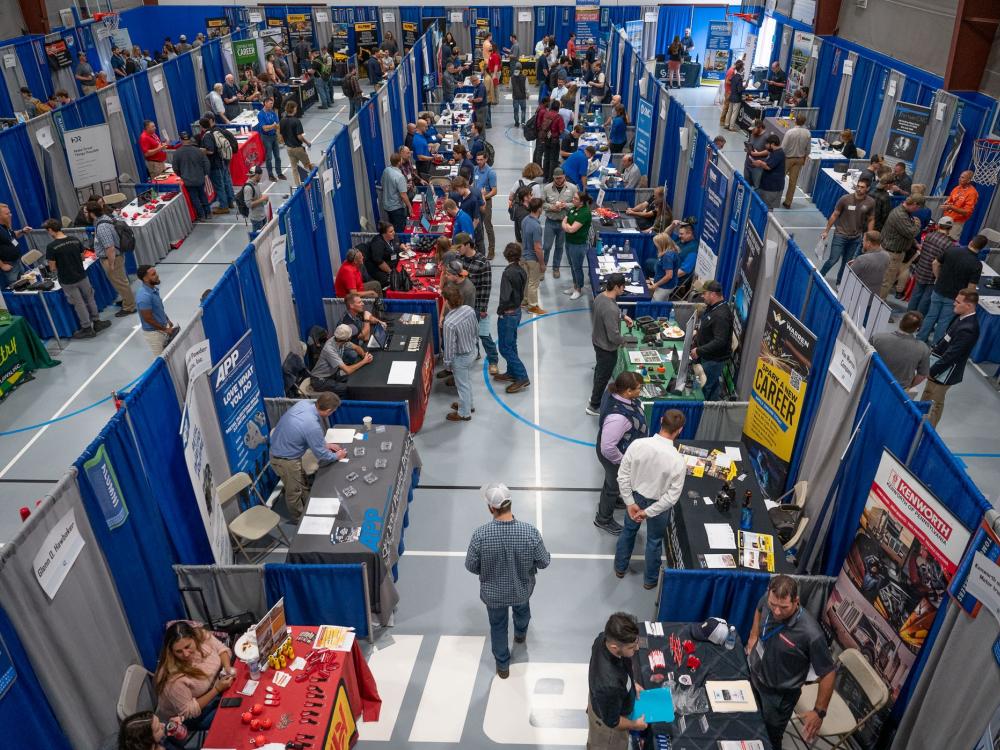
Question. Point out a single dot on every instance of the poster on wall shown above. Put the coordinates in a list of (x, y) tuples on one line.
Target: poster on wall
[(643, 135), (245, 53), (717, 53), (240, 408), (746, 279), (365, 38), (802, 44), (91, 158), (57, 53), (482, 29), (276, 24), (588, 25), (907, 548), (777, 397), (409, 35), (217, 27), (300, 28), (975, 581), (906, 133), (633, 32), (956, 138), (340, 35), (712, 212)]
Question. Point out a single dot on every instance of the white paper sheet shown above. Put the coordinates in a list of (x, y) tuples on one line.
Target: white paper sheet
[(634, 289), (734, 452), (317, 525), (401, 373), (720, 536), (324, 506), (719, 561), (770, 504), (340, 435)]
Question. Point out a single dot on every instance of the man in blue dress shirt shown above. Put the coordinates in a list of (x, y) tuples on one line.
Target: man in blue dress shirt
[(462, 221), (576, 165)]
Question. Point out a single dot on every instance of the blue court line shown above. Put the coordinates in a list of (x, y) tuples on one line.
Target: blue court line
[(506, 132), (71, 414), (506, 408)]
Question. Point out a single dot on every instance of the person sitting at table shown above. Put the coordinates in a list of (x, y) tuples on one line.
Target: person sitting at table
[(846, 144), (349, 279), (902, 183), (875, 165), (800, 97), (383, 254), (332, 369), (663, 269), (359, 320), (144, 731), (154, 150), (193, 670), (10, 254), (461, 221), (629, 173), (83, 216), (215, 103), (231, 97), (101, 80), (460, 157), (687, 250), (737, 88), (651, 212)]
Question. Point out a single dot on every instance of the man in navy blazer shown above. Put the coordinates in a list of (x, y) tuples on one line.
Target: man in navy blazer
[(951, 352)]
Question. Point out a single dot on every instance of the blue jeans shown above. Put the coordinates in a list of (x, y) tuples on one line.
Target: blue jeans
[(223, 183), (520, 111), (713, 375), (461, 368), (507, 338), (323, 92), (272, 157), (199, 200), (576, 255), (939, 314), (486, 338), (656, 528), (498, 629), (920, 299), (256, 225), (553, 231), (356, 103), (843, 249)]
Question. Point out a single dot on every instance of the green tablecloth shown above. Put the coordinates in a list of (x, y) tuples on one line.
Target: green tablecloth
[(21, 352), (625, 363)]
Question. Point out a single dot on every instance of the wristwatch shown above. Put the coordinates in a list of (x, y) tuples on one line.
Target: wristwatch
[(820, 712)]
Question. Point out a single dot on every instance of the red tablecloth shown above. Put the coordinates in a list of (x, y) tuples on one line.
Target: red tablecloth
[(250, 154), (351, 680), (173, 179), (424, 287)]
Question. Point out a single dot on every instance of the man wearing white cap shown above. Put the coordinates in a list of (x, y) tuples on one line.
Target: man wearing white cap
[(505, 553), (331, 369)]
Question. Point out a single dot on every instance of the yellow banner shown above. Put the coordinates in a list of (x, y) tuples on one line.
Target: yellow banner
[(342, 731), (364, 27), (774, 409)]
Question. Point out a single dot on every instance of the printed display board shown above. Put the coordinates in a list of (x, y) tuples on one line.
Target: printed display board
[(717, 52)]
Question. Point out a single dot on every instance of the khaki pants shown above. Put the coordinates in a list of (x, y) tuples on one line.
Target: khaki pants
[(298, 155), (725, 112), (293, 476), (935, 393), (119, 280), (155, 168), (157, 341), (891, 272), (734, 115), (956, 230), (373, 286), (602, 737), (793, 165), (534, 270)]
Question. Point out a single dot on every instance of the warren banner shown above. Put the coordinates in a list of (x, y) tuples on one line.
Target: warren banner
[(779, 391), (907, 548), (717, 53)]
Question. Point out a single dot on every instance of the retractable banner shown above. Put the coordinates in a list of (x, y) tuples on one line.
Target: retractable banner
[(717, 53), (906, 133), (643, 135), (588, 25), (712, 213)]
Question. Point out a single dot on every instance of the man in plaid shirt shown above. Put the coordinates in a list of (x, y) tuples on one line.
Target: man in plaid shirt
[(505, 554), (481, 276)]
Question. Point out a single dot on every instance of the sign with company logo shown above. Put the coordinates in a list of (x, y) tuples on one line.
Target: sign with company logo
[(103, 480), (342, 732), (245, 53), (91, 159)]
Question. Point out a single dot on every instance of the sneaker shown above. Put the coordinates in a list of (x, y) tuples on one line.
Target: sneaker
[(454, 416), (454, 406), (555, 273), (649, 586), (84, 333), (220, 210), (518, 386), (504, 377), (536, 310), (124, 313), (592, 411), (282, 177), (503, 672), (443, 374), (620, 573), (568, 290), (575, 295), (100, 325), (612, 527), (494, 369), (520, 638)]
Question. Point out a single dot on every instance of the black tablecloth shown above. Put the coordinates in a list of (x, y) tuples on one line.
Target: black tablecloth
[(372, 519), (716, 664), (687, 537)]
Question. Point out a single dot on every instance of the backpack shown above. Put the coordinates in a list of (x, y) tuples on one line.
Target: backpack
[(489, 151), (222, 145), (530, 129), (126, 237), (241, 201)]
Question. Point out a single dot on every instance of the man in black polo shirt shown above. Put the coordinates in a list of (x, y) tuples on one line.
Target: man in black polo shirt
[(712, 345), (957, 268), (777, 81), (65, 257), (785, 642), (611, 687)]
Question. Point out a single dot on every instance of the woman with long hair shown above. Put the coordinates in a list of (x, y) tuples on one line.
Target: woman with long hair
[(194, 669), (664, 276), (622, 420), (618, 132), (675, 53), (141, 731), (576, 225)]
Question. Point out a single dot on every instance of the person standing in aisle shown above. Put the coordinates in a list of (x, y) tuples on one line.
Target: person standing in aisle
[(899, 232), (513, 283), (650, 480), (958, 269), (622, 421), (558, 198), (295, 142), (532, 255), (157, 328), (576, 225), (951, 352), (961, 203), (65, 257), (301, 429), (267, 126), (772, 178), (219, 145), (606, 336), (796, 144), (458, 344), (255, 200), (851, 217), (193, 167), (519, 93), (485, 183), (351, 87), (611, 685), (395, 199), (506, 554), (712, 345), (106, 248), (736, 89), (481, 276), (933, 247)]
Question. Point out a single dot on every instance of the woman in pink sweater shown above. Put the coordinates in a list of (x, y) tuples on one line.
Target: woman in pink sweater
[(195, 668)]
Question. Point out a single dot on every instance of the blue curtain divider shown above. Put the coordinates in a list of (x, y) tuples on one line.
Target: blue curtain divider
[(396, 105), (345, 200), (266, 355), (222, 316), (320, 593), (211, 58), (654, 309), (670, 158), (23, 176), (692, 411), (732, 241), (151, 404), (138, 552), (179, 73), (301, 252), (381, 412), (34, 65), (693, 595), (672, 21), (694, 198), (137, 106), (25, 713), (371, 143)]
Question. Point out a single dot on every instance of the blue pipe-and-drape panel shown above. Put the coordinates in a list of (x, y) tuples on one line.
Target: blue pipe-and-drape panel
[(626, 72), (83, 112), (222, 314), (139, 553), (137, 106), (669, 159), (34, 65), (611, 195), (864, 102), (345, 200), (890, 421), (654, 309), (826, 84), (211, 61), (741, 198), (672, 21), (302, 254), (150, 404), (619, 14), (25, 713), (822, 316), (179, 74), (396, 105), (563, 23), (419, 307), (545, 23), (267, 356), (641, 244), (694, 595), (978, 112), (692, 411), (320, 593), (21, 177), (411, 14), (501, 19), (381, 412), (370, 126), (694, 196)]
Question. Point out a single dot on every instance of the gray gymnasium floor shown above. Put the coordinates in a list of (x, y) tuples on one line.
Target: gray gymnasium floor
[(434, 667)]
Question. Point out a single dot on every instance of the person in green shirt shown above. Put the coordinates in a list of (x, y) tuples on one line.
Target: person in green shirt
[(576, 225)]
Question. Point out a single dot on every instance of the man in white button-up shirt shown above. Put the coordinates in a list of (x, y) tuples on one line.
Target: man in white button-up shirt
[(650, 478)]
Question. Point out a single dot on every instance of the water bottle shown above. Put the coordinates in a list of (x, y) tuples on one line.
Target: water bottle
[(746, 519), (730, 643), (628, 247), (600, 246)]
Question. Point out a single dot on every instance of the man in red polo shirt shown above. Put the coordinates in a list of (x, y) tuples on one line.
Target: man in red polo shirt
[(153, 149), (349, 278), (725, 99)]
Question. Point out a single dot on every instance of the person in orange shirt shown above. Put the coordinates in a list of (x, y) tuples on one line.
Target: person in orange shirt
[(960, 204), (725, 99)]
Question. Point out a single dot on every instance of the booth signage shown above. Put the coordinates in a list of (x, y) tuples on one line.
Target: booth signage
[(365, 36), (342, 732), (746, 280), (341, 35), (779, 392), (716, 192), (907, 549), (906, 133), (240, 407), (217, 27), (588, 25), (633, 32), (57, 53), (7, 671), (643, 135), (59, 550), (278, 27), (12, 369), (91, 158), (103, 480), (717, 52), (802, 44), (984, 552), (245, 52), (409, 35)]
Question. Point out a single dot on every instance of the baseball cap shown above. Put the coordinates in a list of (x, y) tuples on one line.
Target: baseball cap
[(714, 630), (183, 38), (712, 286), (945, 221), (185, 136), (255, 170), (557, 172), (454, 267), (496, 495), (342, 332)]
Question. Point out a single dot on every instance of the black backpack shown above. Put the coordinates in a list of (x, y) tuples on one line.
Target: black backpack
[(489, 151), (241, 202), (126, 237)]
